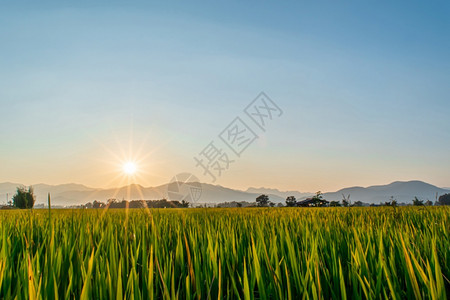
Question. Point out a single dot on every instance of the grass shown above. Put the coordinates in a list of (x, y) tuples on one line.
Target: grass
[(255, 253)]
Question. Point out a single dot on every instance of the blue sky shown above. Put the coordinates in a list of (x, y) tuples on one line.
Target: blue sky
[(364, 88)]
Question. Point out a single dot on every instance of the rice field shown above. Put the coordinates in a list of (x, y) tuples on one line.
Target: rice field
[(251, 253)]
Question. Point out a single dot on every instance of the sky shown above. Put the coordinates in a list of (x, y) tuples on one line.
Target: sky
[(363, 87)]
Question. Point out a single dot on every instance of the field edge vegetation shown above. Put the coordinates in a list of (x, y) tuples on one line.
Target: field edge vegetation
[(252, 253)]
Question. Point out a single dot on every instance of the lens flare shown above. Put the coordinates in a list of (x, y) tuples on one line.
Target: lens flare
[(129, 168)]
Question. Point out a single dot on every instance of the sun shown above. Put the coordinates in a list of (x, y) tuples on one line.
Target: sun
[(130, 168)]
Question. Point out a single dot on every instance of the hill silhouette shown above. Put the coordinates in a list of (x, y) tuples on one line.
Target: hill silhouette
[(77, 194)]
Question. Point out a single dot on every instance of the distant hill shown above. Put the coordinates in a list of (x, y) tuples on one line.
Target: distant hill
[(76, 194), (220, 194), (7, 187), (402, 191), (41, 190), (276, 192)]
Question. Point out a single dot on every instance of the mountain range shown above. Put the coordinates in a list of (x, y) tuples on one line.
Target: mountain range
[(76, 194), (402, 191), (284, 195)]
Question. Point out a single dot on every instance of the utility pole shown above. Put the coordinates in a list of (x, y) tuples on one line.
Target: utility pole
[(7, 198)]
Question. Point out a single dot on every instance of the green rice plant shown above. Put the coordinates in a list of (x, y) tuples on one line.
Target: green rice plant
[(235, 253)]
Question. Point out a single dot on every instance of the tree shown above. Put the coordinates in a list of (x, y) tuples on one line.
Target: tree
[(358, 203), (111, 202), (318, 201), (335, 204), (291, 201), (345, 200), (444, 199), (24, 198), (98, 204), (184, 203), (429, 203), (318, 196), (417, 202), (262, 201), (392, 202)]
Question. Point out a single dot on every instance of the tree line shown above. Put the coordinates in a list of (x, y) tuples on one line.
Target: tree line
[(24, 198), (318, 201)]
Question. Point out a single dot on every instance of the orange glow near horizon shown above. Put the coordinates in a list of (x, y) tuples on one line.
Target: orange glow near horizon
[(127, 162)]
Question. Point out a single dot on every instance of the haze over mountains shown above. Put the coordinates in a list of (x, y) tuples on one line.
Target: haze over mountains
[(76, 194), (284, 195), (401, 191)]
